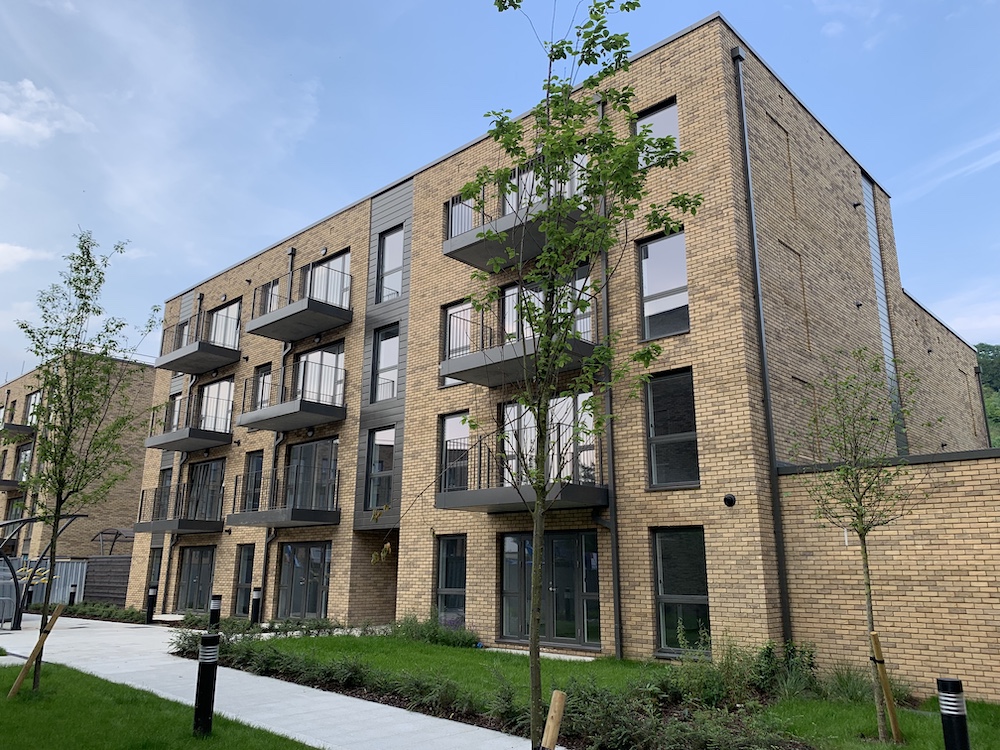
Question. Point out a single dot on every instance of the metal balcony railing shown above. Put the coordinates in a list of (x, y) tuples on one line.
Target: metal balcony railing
[(187, 502), (461, 216), (300, 487), (468, 332), (504, 460), (306, 380), (219, 327), (209, 413), (316, 281)]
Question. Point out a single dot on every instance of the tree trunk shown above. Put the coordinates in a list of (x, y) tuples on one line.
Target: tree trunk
[(36, 679), (535, 620), (883, 732)]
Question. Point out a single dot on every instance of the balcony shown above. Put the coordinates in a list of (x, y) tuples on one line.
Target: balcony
[(304, 496), (187, 509), (184, 424), (476, 354), (319, 301), (10, 485), (18, 430), (488, 477), (518, 222), (200, 344), (312, 395)]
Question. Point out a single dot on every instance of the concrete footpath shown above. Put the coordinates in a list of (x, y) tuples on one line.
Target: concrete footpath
[(137, 655)]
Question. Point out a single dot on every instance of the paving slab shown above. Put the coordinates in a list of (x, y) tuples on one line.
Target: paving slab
[(138, 655)]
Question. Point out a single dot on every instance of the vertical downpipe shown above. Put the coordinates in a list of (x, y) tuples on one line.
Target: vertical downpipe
[(779, 534)]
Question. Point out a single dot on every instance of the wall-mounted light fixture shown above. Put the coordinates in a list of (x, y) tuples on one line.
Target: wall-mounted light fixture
[(223, 298), (323, 251), (310, 432), (729, 500)]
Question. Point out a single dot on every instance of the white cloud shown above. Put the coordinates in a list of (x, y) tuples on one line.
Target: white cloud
[(12, 256), (942, 168), (832, 28), (59, 6), (864, 10), (31, 115)]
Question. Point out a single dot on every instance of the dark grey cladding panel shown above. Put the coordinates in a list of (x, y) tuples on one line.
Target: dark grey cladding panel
[(187, 306), (167, 460)]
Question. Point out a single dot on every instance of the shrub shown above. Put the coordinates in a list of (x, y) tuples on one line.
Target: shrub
[(98, 611), (431, 631)]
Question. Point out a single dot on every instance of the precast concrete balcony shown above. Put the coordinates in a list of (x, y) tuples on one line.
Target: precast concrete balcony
[(186, 509), (305, 303), (301, 496), (306, 394), (191, 424), (202, 343)]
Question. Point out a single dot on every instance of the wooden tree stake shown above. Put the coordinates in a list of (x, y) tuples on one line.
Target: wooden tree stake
[(883, 678), (551, 734), (34, 652)]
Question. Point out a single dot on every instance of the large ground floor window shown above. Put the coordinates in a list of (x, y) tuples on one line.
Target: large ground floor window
[(571, 611), (681, 588), (451, 581), (303, 580), (195, 584)]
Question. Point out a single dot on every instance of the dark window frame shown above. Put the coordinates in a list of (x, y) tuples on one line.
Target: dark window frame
[(374, 499), (382, 273), (683, 311), (694, 602), (379, 392), (243, 583), (450, 472), (447, 615), (675, 438)]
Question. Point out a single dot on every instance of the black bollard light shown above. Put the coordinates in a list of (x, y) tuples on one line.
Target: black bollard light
[(953, 718), (215, 613), (29, 595), (151, 603), (204, 696), (72, 594), (255, 605)]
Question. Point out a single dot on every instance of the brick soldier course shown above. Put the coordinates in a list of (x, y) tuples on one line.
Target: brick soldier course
[(688, 559)]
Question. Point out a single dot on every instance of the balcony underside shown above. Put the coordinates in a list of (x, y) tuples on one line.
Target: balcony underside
[(520, 499), (189, 439), (299, 320), (197, 358), (285, 518), (510, 363), (522, 233), (179, 526), (292, 415), (15, 428), (9, 485)]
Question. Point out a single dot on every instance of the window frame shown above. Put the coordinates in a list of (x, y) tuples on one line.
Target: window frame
[(31, 403), (442, 590), (670, 438), (212, 415), (372, 475), (663, 294), (229, 335), (379, 337), (243, 580), (445, 473), (382, 273), (662, 600), (646, 116)]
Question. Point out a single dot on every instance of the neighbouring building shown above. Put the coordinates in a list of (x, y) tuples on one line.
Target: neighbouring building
[(82, 538), (311, 398)]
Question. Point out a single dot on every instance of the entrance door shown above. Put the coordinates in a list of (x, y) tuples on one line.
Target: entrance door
[(570, 597), (197, 565), (304, 580)]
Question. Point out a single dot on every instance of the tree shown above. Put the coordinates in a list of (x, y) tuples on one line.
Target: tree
[(989, 369), (854, 426), (86, 410), (575, 169)]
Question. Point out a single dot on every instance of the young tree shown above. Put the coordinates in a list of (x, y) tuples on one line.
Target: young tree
[(575, 170), (86, 410), (854, 428)]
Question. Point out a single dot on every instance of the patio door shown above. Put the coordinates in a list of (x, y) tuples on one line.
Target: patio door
[(195, 590), (304, 580)]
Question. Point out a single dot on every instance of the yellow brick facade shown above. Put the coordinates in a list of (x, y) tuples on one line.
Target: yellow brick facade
[(819, 298)]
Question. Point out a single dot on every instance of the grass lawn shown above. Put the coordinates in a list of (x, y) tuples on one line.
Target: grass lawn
[(76, 710), (830, 725), (475, 670)]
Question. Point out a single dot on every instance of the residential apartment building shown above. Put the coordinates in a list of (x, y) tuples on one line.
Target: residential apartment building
[(311, 398), (18, 458)]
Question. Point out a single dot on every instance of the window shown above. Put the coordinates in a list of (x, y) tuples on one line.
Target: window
[(522, 191), (681, 588), (381, 447), (572, 450), (204, 491), (460, 216), (673, 441), (224, 326), (269, 297), (261, 396), (311, 479), (454, 452), (303, 580), (22, 462), (155, 562), (319, 376), (3, 414), (244, 580), (451, 581), (215, 406), (253, 481), (389, 284), (662, 121), (457, 330), (664, 287), (330, 280), (517, 308), (31, 404), (195, 589), (385, 368), (161, 495), (570, 588), (172, 414)]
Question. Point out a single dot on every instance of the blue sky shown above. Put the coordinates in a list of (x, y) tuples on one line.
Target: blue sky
[(203, 132)]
